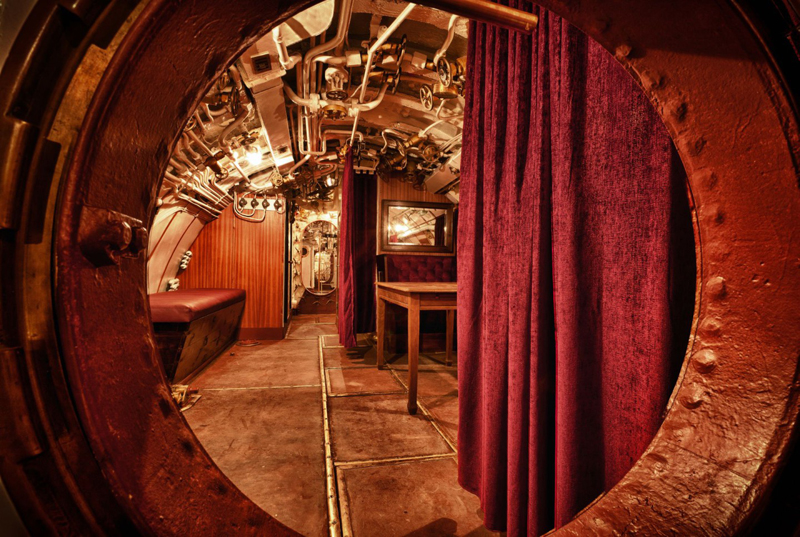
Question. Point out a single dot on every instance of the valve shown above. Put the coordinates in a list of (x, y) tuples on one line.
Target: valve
[(335, 78), (426, 97), (441, 91), (334, 112), (450, 72), (445, 72), (394, 80)]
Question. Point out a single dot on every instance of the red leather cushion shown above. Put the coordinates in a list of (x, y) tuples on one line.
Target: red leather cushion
[(420, 268), (187, 305)]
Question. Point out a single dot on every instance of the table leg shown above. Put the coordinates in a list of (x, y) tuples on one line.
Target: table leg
[(381, 322), (449, 345), (413, 352)]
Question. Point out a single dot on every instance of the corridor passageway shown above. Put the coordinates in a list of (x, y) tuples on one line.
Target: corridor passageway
[(260, 417)]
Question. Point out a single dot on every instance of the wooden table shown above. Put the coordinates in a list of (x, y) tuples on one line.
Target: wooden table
[(416, 297)]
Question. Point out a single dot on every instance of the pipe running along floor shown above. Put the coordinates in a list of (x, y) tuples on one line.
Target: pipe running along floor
[(260, 417)]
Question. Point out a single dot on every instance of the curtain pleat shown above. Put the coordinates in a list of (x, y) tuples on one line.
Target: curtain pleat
[(365, 187), (347, 247), (574, 242), (357, 246)]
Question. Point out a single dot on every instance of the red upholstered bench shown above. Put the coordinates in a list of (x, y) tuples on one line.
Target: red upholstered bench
[(194, 326), (419, 268)]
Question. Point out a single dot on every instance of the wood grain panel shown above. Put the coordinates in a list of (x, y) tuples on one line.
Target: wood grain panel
[(234, 253), (397, 190), (259, 261), (213, 255)]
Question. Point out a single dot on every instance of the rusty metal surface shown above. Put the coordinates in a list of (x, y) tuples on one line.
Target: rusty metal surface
[(730, 421), (46, 463), (155, 465), (731, 415)]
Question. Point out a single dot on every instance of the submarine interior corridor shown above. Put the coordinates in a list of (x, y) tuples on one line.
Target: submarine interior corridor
[(357, 268)]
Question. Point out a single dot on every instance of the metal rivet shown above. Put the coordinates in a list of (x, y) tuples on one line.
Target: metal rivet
[(707, 179), (678, 110), (710, 327), (693, 396), (716, 287), (659, 463), (705, 361), (623, 51), (697, 147), (652, 80)]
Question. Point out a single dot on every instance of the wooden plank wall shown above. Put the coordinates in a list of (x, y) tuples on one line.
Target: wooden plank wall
[(397, 190), (233, 253)]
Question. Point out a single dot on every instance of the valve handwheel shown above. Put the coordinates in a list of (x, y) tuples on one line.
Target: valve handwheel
[(445, 72), (426, 97)]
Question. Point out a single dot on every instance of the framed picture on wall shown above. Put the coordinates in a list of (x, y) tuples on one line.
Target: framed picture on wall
[(415, 226)]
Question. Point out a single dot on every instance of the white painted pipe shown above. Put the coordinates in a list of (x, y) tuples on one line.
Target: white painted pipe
[(200, 142), (379, 42), (345, 11), (299, 163), (451, 30)]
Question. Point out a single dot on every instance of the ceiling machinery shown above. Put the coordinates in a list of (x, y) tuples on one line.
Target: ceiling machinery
[(384, 78)]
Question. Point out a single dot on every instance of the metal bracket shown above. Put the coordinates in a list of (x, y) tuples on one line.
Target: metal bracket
[(104, 236)]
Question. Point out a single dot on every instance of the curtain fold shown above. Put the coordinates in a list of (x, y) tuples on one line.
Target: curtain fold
[(357, 247), (576, 274), (346, 317), (365, 189)]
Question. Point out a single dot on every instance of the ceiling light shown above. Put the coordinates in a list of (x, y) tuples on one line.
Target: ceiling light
[(254, 156)]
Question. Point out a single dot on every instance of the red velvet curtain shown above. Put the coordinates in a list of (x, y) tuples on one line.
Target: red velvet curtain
[(576, 274), (365, 222), (347, 274), (357, 247)]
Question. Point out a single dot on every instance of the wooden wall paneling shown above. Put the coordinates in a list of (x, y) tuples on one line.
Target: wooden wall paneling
[(259, 270), (184, 243), (397, 190), (213, 261), (156, 251), (163, 259)]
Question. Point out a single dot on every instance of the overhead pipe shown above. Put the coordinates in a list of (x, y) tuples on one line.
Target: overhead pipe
[(395, 134), (371, 56), (488, 12), (331, 60), (195, 183), (299, 163), (205, 189), (359, 134), (355, 126), (197, 203), (199, 121), (451, 30), (177, 182), (286, 61), (378, 43), (186, 147), (303, 101), (443, 120), (345, 12), (200, 142), (211, 113), (240, 118), (179, 167)]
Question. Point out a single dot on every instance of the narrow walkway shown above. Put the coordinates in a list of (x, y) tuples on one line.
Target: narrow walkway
[(260, 418)]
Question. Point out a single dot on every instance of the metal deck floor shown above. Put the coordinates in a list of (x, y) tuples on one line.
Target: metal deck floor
[(262, 419)]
